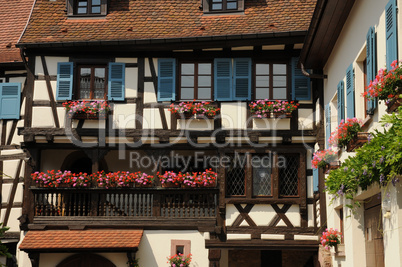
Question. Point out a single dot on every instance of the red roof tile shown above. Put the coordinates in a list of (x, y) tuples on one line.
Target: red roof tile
[(81, 239), (145, 19), (13, 18)]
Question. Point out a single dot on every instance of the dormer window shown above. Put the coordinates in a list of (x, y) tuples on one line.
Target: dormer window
[(222, 6), (86, 7)]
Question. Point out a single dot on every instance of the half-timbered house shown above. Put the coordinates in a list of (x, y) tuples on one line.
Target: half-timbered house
[(12, 84), (138, 58)]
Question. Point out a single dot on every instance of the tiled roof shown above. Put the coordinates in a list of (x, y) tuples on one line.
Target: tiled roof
[(146, 19), (81, 239), (13, 18)]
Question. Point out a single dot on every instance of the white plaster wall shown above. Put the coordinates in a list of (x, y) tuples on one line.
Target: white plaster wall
[(293, 215), (271, 124), (393, 227), (17, 139), (124, 116), (234, 115), (149, 93), (6, 192), (155, 247), (42, 117), (262, 214), (10, 166), (152, 118), (131, 82), (51, 63), (40, 91), (306, 119), (147, 68), (13, 222), (195, 124)]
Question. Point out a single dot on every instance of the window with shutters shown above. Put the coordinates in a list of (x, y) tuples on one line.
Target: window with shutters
[(91, 82), (195, 81), (269, 175), (271, 81), (86, 7)]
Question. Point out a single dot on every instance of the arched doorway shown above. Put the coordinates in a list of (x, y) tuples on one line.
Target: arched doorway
[(86, 260)]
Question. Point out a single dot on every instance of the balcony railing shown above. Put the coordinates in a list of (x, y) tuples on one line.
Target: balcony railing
[(121, 202)]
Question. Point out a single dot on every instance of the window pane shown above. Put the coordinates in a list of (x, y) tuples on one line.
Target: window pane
[(85, 83), (261, 81), (231, 5), (262, 93), (279, 69), (96, 10), (82, 10), (279, 93), (82, 3), (262, 69), (99, 83), (204, 80), (217, 1), (187, 93), (204, 68), (187, 81), (261, 176), (204, 93), (216, 6), (235, 176), (187, 68), (288, 173), (279, 81), (95, 2)]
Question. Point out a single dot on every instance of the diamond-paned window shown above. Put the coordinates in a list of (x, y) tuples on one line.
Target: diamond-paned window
[(261, 175), (235, 176), (288, 176)]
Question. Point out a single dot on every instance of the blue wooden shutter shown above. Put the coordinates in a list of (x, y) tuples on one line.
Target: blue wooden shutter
[(371, 65), (242, 79), (10, 98), (166, 79), (391, 33), (327, 123), (341, 104), (64, 89), (301, 89), (223, 79), (315, 180), (350, 92), (116, 82)]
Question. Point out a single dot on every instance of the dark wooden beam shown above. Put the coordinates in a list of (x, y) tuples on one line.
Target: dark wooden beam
[(28, 91), (139, 107), (12, 194), (50, 92)]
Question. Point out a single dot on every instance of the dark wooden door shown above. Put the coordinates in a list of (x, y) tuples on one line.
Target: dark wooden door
[(86, 260), (373, 232)]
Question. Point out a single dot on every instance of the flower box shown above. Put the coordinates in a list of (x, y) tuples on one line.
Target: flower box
[(204, 117), (87, 116), (171, 185), (186, 110), (357, 142), (339, 250), (262, 116), (185, 116), (394, 104), (282, 115)]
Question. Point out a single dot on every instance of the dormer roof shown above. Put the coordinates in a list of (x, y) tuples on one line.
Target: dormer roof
[(164, 19)]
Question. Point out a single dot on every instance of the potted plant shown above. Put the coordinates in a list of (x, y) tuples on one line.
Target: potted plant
[(179, 260), (324, 158), (387, 86), (90, 110), (345, 132), (207, 178), (171, 179), (286, 108), (261, 108), (331, 238), (143, 180)]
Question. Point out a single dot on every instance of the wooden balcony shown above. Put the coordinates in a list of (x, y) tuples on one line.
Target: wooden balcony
[(165, 208)]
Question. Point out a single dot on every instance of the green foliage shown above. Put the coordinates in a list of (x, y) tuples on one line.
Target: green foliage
[(377, 161), (3, 248), (133, 263)]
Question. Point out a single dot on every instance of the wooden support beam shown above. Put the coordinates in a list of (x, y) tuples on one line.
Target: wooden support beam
[(12, 193), (29, 91), (139, 107), (155, 82), (50, 92)]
